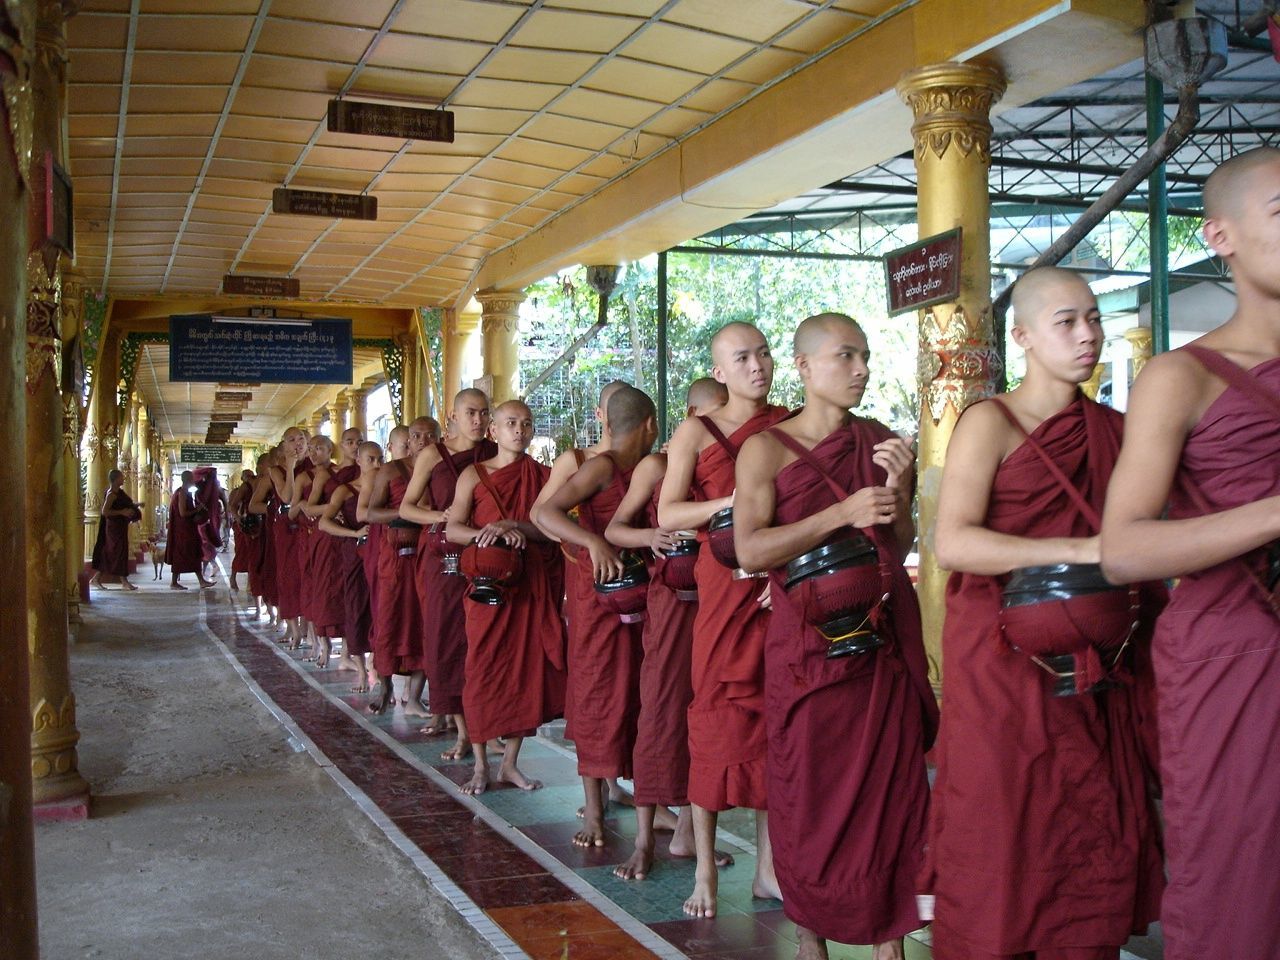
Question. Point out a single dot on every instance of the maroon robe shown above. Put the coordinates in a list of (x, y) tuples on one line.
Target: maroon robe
[(111, 549), (515, 677), (288, 556), (262, 562), (353, 584), (661, 755), (306, 544), (328, 605), (442, 594), (210, 522), (848, 790), (604, 656), (370, 551), (182, 548), (397, 642), (1217, 660), (244, 545), (577, 578), (727, 742), (1042, 832)]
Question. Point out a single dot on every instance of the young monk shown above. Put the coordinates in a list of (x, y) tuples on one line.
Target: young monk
[(371, 549), (111, 550), (284, 484), (398, 637), (1043, 840), (182, 549), (661, 757), (305, 512), (338, 520), (237, 507), (328, 608), (515, 651), (848, 834), (1203, 439), (426, 501), (726, 717), (604, 653)]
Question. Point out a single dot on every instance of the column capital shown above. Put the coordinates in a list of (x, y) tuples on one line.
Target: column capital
[(952, 105), (499, 309), (1139, 346)]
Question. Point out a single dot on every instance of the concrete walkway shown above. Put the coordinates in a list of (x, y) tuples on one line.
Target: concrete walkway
[(212, 836)]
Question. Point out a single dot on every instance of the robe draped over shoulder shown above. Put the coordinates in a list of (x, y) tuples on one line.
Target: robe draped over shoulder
[(182, 548), (111, 550), (398, 636)]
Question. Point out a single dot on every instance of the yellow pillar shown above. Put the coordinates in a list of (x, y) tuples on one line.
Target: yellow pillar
[(412, 403), (17, 853), (951, 103), (1140, 347), (141, 455), (359, 405), (457, 329), (338, 418), (73, 291), (499, 323), (314, 422), (1091, 386), (102, 441)]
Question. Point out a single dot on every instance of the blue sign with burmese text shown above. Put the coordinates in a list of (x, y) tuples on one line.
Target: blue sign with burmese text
[(210, 349)]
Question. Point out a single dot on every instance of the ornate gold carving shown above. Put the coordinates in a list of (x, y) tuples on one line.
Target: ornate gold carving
[(44, 346), (951, 103), (500, 310), (1140, 346), (17, 34), (53, 739), (957, 362), (70, 426)]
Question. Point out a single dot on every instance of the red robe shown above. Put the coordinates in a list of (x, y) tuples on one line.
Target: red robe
[(287, 557), (244, 545), (662, 735), (726, 716), (1217, 660), (111, 549), (1042, 832), (515, 677), (848, 790), (210, 522), (305, 545), (604, 657), (577, 578), (328, 604), (369, 554), (182, 548), (353, 584), (262, 562), (397, 642), (442, 594)]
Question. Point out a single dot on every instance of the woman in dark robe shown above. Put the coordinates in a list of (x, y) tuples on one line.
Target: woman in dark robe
[(111, 550)]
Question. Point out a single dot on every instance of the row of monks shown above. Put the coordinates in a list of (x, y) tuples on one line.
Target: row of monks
[(774, 658)]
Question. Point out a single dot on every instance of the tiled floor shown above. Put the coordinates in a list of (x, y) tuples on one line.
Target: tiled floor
[(511, 852)]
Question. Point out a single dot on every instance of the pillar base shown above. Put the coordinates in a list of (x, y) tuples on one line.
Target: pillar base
[(66, 810)]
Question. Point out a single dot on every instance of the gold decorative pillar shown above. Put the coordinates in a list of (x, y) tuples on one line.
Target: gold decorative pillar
[(141, 429), (73, 291), (457, 328), (1140, 348), (17, 853), (499, 322), (56, 782), (314, 422), (410, 388), (338, 418), (102, 442), (359, 406), (951, 103)]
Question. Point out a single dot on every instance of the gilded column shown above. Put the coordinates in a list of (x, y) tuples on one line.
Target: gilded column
[(314, 422), (951, 103), (1140, 348), (102, 440), (338, 418), (359, 406), (499, 324), (72, 428), (410, 383), (17, 854), (141, 431)]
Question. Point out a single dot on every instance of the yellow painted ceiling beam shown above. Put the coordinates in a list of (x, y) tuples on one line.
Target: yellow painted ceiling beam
[(834, 117)]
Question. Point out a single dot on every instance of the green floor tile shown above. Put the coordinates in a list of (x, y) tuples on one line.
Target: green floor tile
[(658, 898), (548, 805)]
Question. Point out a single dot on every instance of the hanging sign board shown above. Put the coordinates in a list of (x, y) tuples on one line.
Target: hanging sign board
[(207, 349), (252, 286), (388, 120), (59, 219), (924, 273), (319, 203), (210, 453)]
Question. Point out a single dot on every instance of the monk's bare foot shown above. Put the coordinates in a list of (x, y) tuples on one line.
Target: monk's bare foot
[(437, 726), (414, 708), (510, 773), (96, 584), (702, 902), (458, 751), (766, 888), (591, 834), (322, 653), (619, 796), (811, 946), (892, 950), (663, 818), (361, 685), (478, 783), (605, 796), (205, 584), (638, 865), (348, 662), (127, 585), (384, 700), (681, 851), (176, 586)]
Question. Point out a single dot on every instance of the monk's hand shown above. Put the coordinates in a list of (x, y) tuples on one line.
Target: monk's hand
[(606, 562), (897, 456), (662, 541), (766, 597), (491, 532), (363, 531), (514, 538), (871, 506)]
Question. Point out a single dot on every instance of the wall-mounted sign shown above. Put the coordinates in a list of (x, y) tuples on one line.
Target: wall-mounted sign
[(388, 120), (210, 453), (207, 349), (59, 223), (232, 396), (243, 283), (924, 273), (319, 203)]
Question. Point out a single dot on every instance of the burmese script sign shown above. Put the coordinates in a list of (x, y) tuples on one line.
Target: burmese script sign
[(321, 203), (252, 286), (924, 273), (388, 120), (211, 453), (205, 349)]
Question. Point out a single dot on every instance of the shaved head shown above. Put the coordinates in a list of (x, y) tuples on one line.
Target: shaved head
[(323, 444), (427, 425), (706, 392), (812, 331), (514, 405), (398, 434), (608, 391), (732, 334), (115, 475), (471, 395), (1227, 188), (369, 448), (291, 433), (352, 432), (629, 410), (1034, 291)]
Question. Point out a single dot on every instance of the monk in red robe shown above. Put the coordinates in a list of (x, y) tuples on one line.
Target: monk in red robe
[(182, 549), (244, 545), (604, 652), (338, 520), (847, 827), (660, 759), (727, 741), (1203, 441), (426, 501), (398, 646), (284, 532), (262, 505), (210, 495), (515, 677), (111, 550), (325, 608), (1043, 838)]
